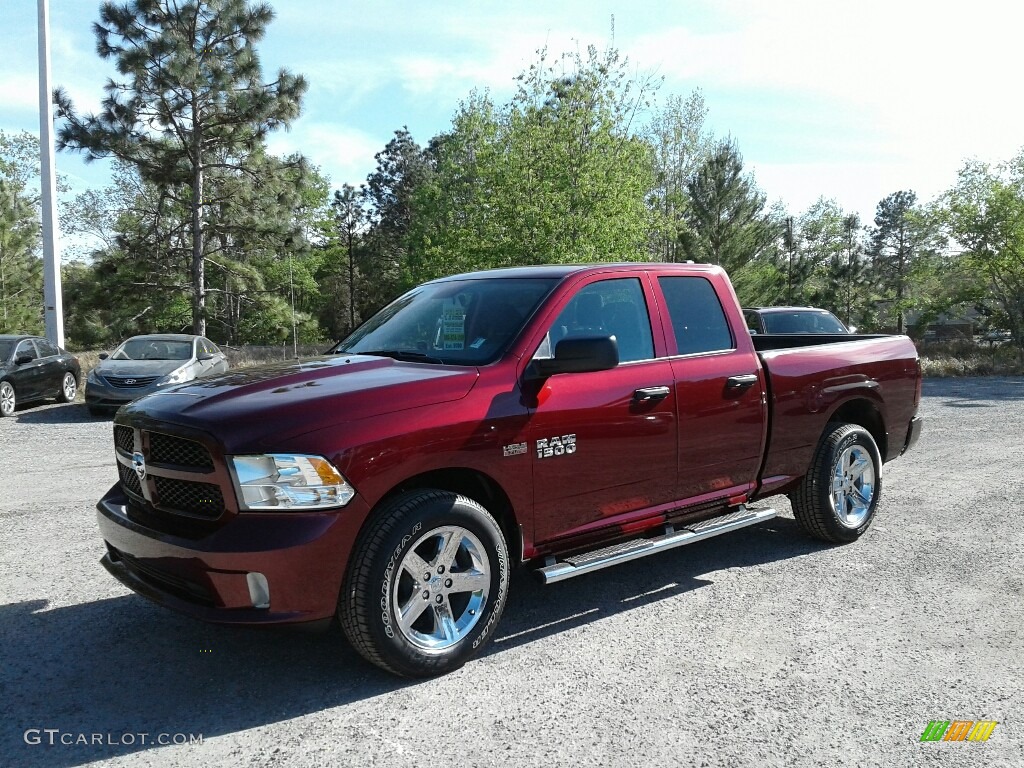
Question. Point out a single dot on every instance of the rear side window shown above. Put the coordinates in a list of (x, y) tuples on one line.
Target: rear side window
[(46, 349), (696, 314)]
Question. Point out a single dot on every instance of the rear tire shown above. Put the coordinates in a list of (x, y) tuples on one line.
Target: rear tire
[(8, 399), (426, 584), (68, 388), (837, 499)]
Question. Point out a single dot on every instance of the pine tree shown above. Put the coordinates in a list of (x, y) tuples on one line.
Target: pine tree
[(191, 102), (728, 223)]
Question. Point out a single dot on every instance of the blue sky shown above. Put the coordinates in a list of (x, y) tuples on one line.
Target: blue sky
[(847, 100)]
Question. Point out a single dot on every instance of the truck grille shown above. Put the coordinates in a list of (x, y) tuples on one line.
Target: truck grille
[(124, 438), (167, 449), (200, 499), (184, 485), (129, 480)]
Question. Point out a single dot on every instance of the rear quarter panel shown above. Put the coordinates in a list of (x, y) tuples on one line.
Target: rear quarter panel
[(807, 385)]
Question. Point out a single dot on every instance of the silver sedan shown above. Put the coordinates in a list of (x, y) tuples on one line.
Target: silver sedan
[(144, 364)]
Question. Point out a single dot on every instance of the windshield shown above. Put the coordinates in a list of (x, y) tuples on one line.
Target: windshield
[(6, 347), (802, 322), (153, 349), (459, 322)]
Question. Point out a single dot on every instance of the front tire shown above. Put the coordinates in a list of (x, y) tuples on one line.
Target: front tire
[(426, 584), (837, 499), (8, 399), (68, 388)]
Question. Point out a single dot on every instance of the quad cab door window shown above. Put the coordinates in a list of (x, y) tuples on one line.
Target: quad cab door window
[(603, 443)]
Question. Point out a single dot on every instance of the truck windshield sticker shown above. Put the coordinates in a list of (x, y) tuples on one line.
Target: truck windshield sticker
[(453, 325)]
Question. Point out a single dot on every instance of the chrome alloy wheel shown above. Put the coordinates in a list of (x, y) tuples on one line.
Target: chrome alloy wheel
[(853, 486), (441, 588), (70, 387), (8, 400)]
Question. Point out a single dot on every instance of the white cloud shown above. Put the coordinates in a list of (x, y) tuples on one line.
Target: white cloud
[(345, 155)]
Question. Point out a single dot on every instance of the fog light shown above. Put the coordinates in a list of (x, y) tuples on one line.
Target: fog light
[(259, 590)]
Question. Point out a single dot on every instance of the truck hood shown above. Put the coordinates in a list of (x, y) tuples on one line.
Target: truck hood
[(286, 399)]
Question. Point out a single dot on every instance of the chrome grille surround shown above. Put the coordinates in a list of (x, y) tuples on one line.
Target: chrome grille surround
[(180, 478)]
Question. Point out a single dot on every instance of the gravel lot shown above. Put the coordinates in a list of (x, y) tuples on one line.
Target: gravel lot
[(760, 647)]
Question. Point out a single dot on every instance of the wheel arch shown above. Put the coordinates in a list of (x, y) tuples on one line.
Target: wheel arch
[(473, 484), (864, 413)]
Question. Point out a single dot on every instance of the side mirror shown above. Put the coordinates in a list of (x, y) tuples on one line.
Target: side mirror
[(582, 355), (104, 355), (204, 356), (852, 329), (23, 358)]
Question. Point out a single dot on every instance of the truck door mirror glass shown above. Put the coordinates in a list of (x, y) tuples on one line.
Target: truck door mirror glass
[(577, 355)]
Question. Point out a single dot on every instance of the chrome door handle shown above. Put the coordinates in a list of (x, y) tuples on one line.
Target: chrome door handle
[(650, 393), (744, 380)]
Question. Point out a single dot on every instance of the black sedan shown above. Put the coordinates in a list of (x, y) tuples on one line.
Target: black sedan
[(32, 368)]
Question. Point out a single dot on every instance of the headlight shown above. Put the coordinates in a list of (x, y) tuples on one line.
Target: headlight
[(179, 376), (286, 481)]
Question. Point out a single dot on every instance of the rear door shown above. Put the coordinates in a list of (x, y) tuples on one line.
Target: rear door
[(29, 378), (603, 444), (719, 390)]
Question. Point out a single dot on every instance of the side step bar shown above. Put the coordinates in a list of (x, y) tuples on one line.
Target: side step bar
[(579, 564)]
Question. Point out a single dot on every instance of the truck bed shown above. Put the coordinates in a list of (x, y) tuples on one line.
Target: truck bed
[(810, 376)]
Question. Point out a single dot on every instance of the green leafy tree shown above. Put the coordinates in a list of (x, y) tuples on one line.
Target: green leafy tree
[(728, 222), (986, 217), (680, 144), (559, 174), (403, 167), (190, 101), (21, 269), (833, 272), (341, 274)]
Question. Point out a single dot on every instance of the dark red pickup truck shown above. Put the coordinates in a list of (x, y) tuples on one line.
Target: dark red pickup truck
[(564, 417)]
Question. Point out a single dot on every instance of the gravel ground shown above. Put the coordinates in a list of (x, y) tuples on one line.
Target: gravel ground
[(760, 647)]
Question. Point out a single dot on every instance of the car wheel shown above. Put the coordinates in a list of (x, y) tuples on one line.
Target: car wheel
[(426, 584), (8, 400), (837, 499), (68, 388)]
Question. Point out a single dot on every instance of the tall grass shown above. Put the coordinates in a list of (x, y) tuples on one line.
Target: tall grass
[(966, 358)]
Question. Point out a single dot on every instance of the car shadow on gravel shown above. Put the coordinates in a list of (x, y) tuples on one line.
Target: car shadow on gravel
[(535, 611), (71, 413), (121, 667)]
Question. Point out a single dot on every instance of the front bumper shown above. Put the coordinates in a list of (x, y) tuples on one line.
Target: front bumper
[(100, 393), (301, 554), (914, 433)]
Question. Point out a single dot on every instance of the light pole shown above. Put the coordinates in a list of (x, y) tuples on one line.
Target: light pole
[(53, 302)]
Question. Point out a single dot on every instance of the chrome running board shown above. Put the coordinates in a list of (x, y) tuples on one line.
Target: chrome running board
[(585, 562)]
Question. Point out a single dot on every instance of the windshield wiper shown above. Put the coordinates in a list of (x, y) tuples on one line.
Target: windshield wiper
[(410, 355)]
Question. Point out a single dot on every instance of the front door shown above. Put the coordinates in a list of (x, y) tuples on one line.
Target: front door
[(603, 444)]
